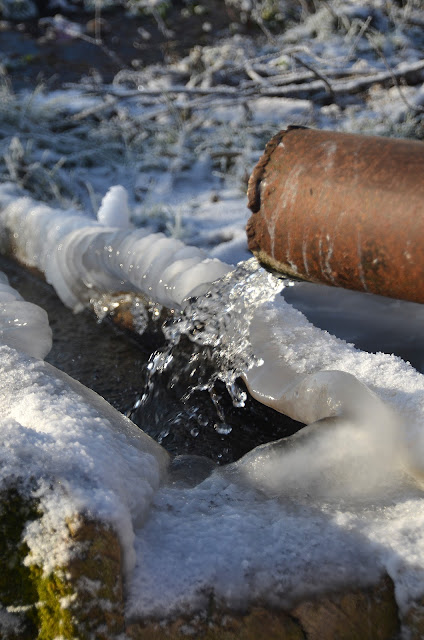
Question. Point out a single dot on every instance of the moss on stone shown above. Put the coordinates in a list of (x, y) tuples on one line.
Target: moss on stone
[(17, 589), (83, 600), (54, 619), (96, 574), (35, 599)]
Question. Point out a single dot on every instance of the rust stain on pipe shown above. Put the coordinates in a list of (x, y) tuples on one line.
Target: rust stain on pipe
[(341, 209)]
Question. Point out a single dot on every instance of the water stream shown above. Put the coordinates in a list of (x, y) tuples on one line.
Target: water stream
[(145, 377)]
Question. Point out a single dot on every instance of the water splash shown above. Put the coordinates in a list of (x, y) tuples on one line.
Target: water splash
[(208, 342), (219, 321), (142, 311)]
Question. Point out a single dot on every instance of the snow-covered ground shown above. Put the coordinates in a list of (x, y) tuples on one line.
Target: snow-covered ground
[(184, 137), (343, 502)]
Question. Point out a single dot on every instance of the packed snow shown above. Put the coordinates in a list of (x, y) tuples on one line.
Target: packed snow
[(336, 504)]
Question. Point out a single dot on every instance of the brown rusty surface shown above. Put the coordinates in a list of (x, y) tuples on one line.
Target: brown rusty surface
[(341, 209)]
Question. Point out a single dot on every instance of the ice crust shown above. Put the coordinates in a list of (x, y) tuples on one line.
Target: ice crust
[(65, 444), (335, 505), (82, 258)]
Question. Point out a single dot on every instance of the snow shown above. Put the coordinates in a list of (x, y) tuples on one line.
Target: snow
[(113, 211), (221, 538), (331, 505), (77, 453), (335, 505), (278, 110)]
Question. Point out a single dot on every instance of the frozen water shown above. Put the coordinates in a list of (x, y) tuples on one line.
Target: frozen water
[(114, 211), (362, 453), (23, 325), (374, 323), (82, 258), (220, 319), (295, 514), (338, 503), (351, 477)]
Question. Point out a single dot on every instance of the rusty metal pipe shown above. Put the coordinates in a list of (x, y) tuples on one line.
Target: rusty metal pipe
[(341, 209)]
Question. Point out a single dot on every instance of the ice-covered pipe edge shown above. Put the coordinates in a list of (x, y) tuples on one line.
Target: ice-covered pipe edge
[(364, 413)]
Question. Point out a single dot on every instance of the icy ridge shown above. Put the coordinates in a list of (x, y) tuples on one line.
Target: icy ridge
[(81, 257)]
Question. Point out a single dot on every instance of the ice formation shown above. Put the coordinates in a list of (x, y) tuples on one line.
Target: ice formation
[(114, 211), (65, 443), (82, 258), (336, 504), (356, 440), (23, 325)]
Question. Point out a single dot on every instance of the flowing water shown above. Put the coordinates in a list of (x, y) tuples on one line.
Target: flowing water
[(175, 389), (207, 409)]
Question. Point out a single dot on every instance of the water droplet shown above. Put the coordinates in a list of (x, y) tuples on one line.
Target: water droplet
[(222, 428)]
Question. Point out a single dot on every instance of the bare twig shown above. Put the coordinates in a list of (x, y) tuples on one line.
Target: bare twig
[(253, 75), (220, 90), (161, 24), (383, 77), (315, 73), (97, 21), (355, 43), (396, 82)]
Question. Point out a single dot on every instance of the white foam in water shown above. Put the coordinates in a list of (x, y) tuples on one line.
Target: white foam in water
[(335, 505)]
